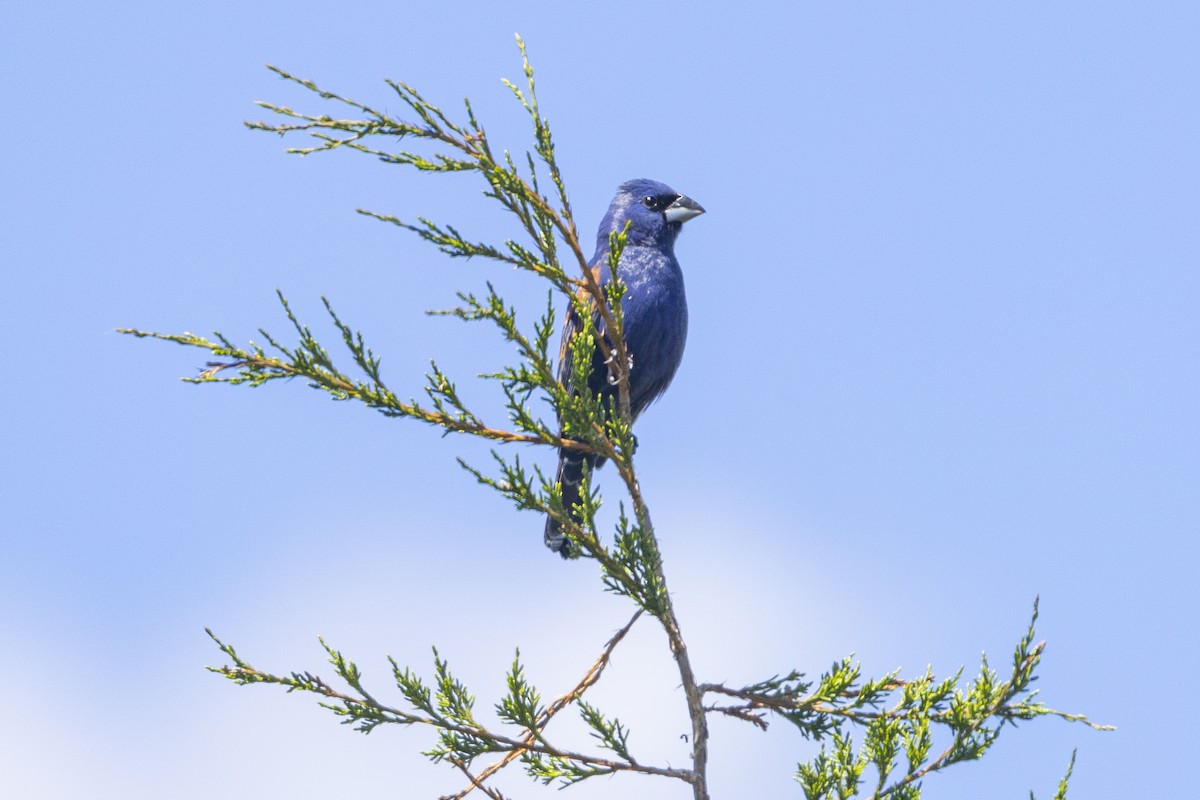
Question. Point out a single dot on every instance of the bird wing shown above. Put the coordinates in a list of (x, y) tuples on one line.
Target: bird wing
[(571, 326)]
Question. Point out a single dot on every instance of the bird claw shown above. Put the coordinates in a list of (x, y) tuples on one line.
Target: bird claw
[(613, 379)]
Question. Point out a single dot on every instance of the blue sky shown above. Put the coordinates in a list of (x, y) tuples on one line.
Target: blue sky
[(943, 357)]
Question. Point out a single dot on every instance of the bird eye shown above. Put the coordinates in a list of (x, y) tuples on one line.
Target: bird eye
[(651, 202)]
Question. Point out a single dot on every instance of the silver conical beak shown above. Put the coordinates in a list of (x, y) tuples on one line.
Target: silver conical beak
[(683, 209)]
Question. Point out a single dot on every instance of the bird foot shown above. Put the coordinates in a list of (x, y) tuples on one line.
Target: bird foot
[(612, 375)]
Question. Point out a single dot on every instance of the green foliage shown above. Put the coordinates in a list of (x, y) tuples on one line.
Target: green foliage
[(971, 718), (906, 729), (1061, 792)]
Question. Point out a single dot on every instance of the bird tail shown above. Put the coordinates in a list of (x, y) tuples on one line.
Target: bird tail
[(571, 466)]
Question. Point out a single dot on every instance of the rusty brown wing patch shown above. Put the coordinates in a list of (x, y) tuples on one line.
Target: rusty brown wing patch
[(571, 326)]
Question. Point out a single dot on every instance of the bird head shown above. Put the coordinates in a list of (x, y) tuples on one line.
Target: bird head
[(655, 213)]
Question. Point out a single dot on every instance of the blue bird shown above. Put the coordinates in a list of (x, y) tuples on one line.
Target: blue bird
[(655, 316)]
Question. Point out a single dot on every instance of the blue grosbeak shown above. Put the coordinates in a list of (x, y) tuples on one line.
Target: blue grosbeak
[(655, 317)]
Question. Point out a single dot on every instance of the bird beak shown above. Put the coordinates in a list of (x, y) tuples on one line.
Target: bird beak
[(683, 209)]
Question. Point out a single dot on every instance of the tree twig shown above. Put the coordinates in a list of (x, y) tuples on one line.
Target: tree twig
[(589, 680)]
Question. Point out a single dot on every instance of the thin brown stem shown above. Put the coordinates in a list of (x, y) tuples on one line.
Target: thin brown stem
[(670, 624), (247, 674), (589, 680), (476, 782)]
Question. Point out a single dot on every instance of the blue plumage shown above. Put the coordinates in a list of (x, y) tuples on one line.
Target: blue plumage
[(654, 306)]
